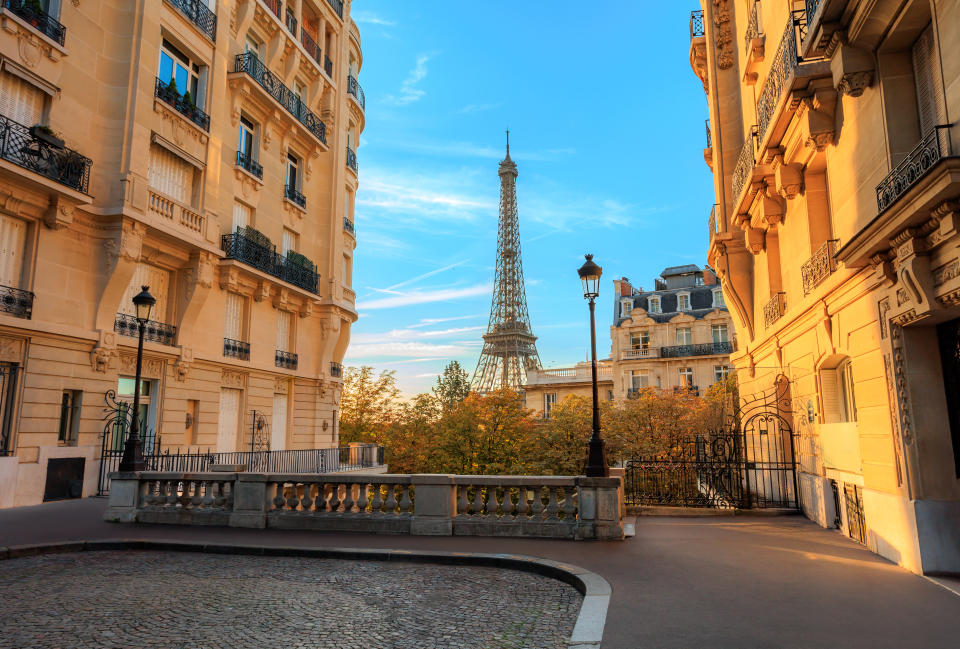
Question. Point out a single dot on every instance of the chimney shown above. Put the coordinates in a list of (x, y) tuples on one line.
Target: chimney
[(709, 277), (622, 287)]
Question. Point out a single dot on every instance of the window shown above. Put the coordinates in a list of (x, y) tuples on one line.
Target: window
[(654, 305), (289, 242), (234, 319), (720, 373), (278, 424), (284, 331), (170, 175), (252, 45), (246, 145), (609, 395), (838, 396), (13, 242), (69, 417), (241, 215), (640, 340), (718, 299), (148, 411), (639, 379), (549, 400), (685, 377), (684, 336), (683, 301), (158, 279), (626, 305), (719, 333), (190, 422), (346, 279), (293, 171), (176, 67), (348, 206), (228, 421), (21, 101), (926, 74)]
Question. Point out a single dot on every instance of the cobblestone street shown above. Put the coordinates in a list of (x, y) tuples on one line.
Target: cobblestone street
[(178, 600)]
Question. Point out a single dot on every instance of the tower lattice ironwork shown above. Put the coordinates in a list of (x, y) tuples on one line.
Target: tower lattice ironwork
[(509, 346)]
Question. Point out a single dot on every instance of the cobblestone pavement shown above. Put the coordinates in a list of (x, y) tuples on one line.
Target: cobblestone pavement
[(180, 600)]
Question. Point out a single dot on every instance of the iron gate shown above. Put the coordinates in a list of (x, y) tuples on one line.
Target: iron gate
[(750, 463)]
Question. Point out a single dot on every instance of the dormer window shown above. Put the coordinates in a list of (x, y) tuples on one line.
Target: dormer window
[(718, 299), (626, 305), (655, 305), (683, 301)]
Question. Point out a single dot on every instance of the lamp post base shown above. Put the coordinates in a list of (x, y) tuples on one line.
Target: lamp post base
[(596, 460), (132, 459)]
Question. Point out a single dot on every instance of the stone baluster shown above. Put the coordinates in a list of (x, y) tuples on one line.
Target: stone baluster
[(492, 502), (406, 503), (552, 506), (362, 501), (569, 503), (228, 500), (477, 500), (306, 502), (507, 502), (334, 501), (292, 499), (523, 506), (348, 498), (377, 504), (207, 494), (197, 493), (171, 491), (537, 508), (391, 503), (463, 503), (278, 500)]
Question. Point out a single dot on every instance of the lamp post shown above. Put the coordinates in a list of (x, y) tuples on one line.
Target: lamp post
[(596, 460), (132, 459)]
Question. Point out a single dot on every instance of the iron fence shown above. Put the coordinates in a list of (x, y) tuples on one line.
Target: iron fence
[(295, 196), (35, 150), (328, 66), (181, 104), (348, 226), (158, 332), (34, 15), (336, 369), (701, 349), (199, 14), (246, 161)]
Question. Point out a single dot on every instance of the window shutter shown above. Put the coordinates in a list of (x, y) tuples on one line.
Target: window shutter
[(234, 317), (170, 175), (158, 280), (278, 439), (227, 424), (926, 74), (830, 393), (13, 240), (21, 101), (283, 331), (288, 243), (241, 216)]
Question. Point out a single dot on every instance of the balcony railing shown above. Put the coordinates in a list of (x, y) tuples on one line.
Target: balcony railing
[(34, 15), (246, 161), (348, 226), (709, 134), (753, 27), (337, 6), (336, 369), (311, 46), (702, 349), (178, 214), (782, 68), (696, 23), (743, 170), (16, 301), (353, 87), (712, 222), (934, 146), (775, 308), (177, 101), (812, 6), (286, 360), (819, 266), (291, 22), (254, 249), (352, 159), (294, 196), (236, 349), (199, 14), (158, 332), (633, 354), (34, 150), (249, 63), (328, 66), (274, 6)]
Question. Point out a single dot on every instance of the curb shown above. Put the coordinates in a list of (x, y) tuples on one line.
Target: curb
[(587, 632)]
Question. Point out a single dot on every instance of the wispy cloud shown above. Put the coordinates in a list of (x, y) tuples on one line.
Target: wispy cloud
[(424, 297), (431, 273), (410, 334), (417, 350), (478, 108), (449, 196), (370, 18), (409, 92), (426, 322)]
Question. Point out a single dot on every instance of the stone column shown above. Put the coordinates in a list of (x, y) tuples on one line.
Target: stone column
[(124, 498), (434, 506), (250, 500), (599, 517)]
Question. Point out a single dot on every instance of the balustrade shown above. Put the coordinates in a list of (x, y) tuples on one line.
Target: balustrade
[(753, 28), (337, 6), (348, 226), (644, 352), (286, 360), (311, 46), (253, 248), (236, 349), (176, 213), (819, 266)]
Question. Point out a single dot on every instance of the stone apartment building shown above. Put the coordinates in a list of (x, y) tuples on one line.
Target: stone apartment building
[(832, 135), (675, 337), (204, 148)]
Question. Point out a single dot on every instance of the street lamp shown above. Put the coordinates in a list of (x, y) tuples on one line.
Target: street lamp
[(596, 460), (132, 459)]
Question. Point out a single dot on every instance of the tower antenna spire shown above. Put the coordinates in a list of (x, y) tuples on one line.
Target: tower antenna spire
[(508, 141)]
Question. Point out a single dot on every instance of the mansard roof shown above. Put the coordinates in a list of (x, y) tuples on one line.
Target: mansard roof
[(701, 303)]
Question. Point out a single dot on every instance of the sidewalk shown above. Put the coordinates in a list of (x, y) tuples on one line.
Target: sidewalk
[(723, 583)]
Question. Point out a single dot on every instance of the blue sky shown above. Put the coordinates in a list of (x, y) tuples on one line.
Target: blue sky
[(606, 126)]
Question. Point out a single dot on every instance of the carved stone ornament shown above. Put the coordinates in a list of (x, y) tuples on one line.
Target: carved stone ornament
[(127, 248), (756, 239), (281, 300), (11, 350), (724, 33), (900, 384), (233, 379), (855, 83), (104, 354), (262, 291), (883, 308), (59, 214), (789, 179), (894, 424), (945, 273), (229, 279), (306, 309), (183, 363), (152, 367), (280, 385)]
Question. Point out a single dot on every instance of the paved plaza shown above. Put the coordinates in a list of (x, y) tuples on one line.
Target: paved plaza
[(737, 582), (174, 600)]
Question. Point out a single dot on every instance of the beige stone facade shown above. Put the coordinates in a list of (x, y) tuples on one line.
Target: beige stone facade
[(234, 204), (835, 235), (547, 387)]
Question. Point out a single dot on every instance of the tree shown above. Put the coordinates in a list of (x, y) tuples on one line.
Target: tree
[(452, 386), (367, 405)]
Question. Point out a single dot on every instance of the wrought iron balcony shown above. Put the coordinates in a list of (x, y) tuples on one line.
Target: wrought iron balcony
[(709, 134), (702, 349), (753, 27), (743, 170), (254, 249), (291, 194), (274, 6), (353, 87), (311, 46), (291, 22), (250, 64), (34, 15), (337, 6), (286, 360), (158, 332), (336, 369), (246, 161), (775, 308), (352, 159), (934, 146), (199, 14), (819, 266), (782, 70), (696, 23), (328, 66), (348, 225), (712, 222), (236, 349), (178, 102), (16, 301), (37, 151), (811, 8)]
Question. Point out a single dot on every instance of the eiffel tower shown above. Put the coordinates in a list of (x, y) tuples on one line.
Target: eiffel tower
[(509, 346)]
